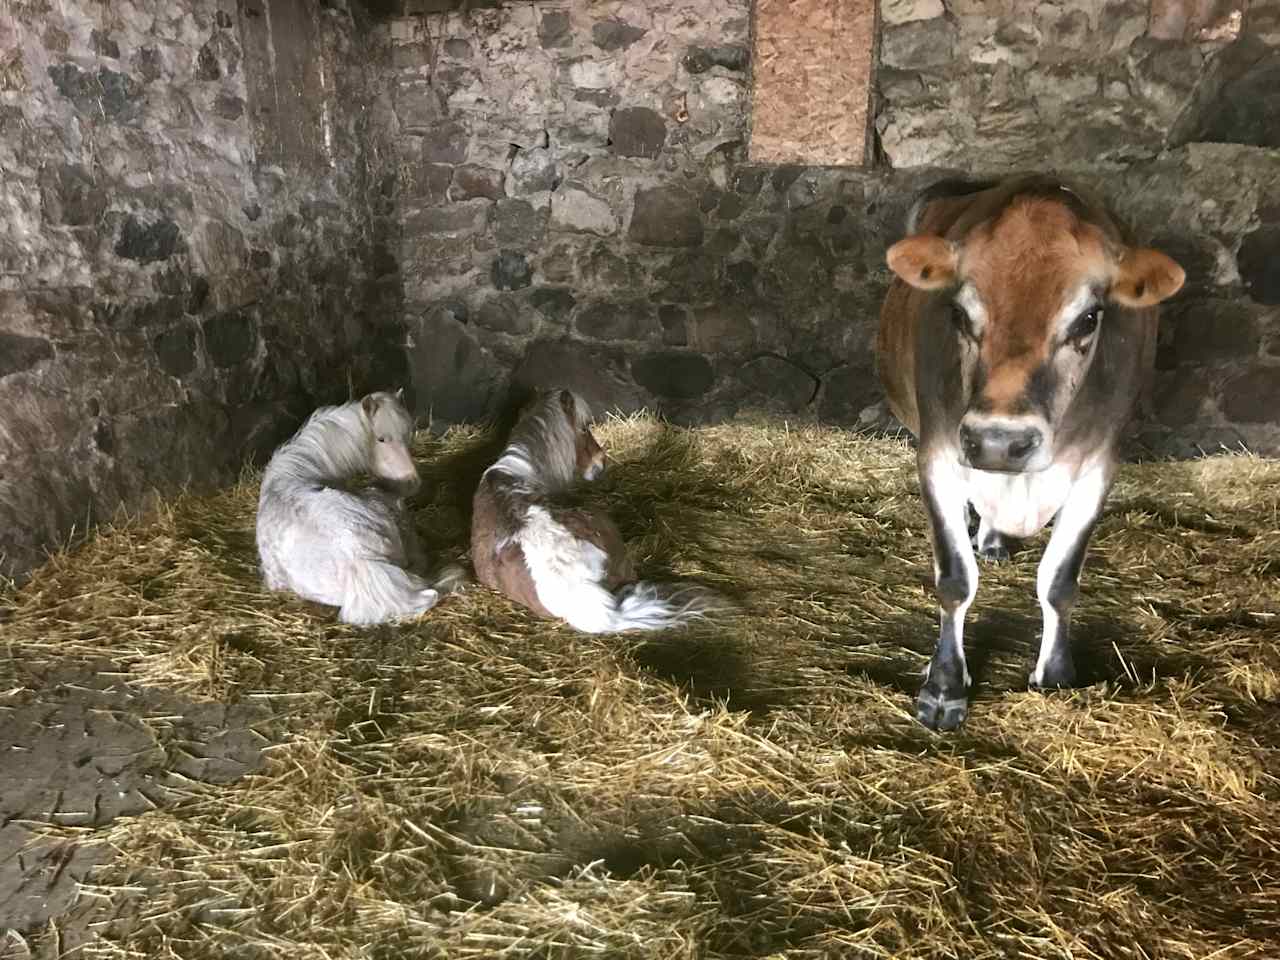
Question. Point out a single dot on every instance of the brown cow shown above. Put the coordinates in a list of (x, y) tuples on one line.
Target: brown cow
[(1014, 343)]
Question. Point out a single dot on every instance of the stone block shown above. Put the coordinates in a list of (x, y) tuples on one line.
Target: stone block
[(591, 371), (69, 195), (230, 337), (1210, 331), (666, 217), (637, 132), (730, 56), (610, 35), (427, 181), (893, 12), (19, 353), (448, 220), (471, 181), (675, 325), (617, 320), (148, 239), (175, 350), (674, 374), (777, 381), (532, 171), (454, 380), (511, 271), (445, 142), (846, 390), (554, 303), (504, 315), (518, 223), (920, 45), (724, 327), (1259, 262), (554, 29), (574, 208), (1253, 397)]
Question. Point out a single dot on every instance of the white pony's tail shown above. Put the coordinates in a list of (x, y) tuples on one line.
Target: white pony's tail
[(378, 591)]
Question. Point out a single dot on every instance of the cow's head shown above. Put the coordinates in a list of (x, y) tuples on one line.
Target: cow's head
[(1027, 292)]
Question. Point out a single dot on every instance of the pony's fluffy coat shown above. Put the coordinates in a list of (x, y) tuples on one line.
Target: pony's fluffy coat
[(344, 548), (560, 561)]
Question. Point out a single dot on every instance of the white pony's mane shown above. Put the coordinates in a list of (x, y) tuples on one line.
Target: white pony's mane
[(334, 444), (542, 453)]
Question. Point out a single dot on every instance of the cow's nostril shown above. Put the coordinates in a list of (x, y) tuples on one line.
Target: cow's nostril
[(1022, 446)]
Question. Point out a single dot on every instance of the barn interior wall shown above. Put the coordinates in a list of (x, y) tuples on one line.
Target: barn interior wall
[(577, 203), (222, 214), (198, 245)]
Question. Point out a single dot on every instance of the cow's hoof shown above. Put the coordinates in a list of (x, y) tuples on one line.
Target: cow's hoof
[(1056, 673), (941, 711)]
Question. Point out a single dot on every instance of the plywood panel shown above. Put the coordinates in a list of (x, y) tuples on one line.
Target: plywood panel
[(812, 64)]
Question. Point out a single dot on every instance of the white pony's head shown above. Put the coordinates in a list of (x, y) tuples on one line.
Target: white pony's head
[(389, 428)]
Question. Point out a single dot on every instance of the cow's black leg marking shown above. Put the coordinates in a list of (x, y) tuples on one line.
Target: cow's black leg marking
[(943, 701), (1058, 578), (992, 546)]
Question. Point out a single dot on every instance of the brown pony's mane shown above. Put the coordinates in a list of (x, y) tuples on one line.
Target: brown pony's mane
[(549, 449), (550, 446)]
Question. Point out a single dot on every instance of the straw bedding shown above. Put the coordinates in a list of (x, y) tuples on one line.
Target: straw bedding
[(479, 783)]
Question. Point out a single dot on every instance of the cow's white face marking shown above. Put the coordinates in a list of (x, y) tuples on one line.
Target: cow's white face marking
[(1030, 372)]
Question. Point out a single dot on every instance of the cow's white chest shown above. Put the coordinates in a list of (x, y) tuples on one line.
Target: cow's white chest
[(1019, 504)]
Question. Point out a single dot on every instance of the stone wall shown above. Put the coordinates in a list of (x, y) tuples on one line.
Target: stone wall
[(223, 214), (199, 245), (577, 204)]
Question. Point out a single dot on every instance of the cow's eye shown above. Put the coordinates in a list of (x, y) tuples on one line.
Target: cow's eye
[(960, 320), (1085, 324)]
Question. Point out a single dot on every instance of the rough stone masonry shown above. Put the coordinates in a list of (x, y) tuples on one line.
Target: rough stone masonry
[(576, 202), (198, 245), (221, 215)]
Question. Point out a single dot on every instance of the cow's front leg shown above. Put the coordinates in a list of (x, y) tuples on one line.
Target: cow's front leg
[(1058, 579), (943, 701)]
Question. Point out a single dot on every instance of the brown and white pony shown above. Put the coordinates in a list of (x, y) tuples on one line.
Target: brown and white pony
[(557, 560)]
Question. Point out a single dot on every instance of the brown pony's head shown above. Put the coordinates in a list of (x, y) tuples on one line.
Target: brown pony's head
[(551, 444), (1027, 284), (589, 455)]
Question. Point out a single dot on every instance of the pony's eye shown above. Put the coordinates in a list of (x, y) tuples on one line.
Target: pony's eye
[(1085, 324), (382, 439)]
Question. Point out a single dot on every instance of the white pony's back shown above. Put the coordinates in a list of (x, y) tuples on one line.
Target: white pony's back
[(350, 549)]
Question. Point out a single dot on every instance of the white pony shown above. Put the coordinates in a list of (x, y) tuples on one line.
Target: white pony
[(345, 548)]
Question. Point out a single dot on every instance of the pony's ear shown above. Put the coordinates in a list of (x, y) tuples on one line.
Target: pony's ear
[(400, 395), (570, 406), (369, 405)]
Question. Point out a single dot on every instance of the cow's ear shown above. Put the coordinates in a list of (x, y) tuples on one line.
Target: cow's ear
[(924, 261), (1145, 277)]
